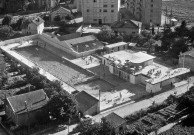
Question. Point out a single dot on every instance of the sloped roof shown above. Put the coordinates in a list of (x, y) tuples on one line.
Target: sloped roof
[(85, 43), (69, 36), (35, 100), (85, 101), (189, 53), (125, 24), (115, 120), (116, 44), (62, 6), (38, 21), (81, 40)]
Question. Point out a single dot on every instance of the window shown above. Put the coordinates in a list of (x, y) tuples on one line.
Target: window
[(105, 10), (94, 1), (112, 11), (105, 6), (100, 10), (112, 6), (88, 10)]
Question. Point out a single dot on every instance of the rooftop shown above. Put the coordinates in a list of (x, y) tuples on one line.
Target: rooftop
[(167, 75), (69, 36), (115, 120), (123, 56), (116, 44), (189, 53), (85, 43), (38, 21), (126, 24), (85, 101), (34, 100)]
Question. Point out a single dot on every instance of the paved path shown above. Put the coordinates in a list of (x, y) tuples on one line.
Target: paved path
[(129, 108)]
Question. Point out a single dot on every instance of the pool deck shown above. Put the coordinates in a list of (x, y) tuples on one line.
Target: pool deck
[(25, 61)]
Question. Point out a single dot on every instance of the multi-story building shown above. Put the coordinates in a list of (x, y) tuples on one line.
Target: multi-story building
[(147, 11), (46, 3), (100, 11)]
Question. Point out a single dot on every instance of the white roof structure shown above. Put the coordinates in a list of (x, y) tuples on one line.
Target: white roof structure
[(168, 75), (132, 44), (124, 56), (116, 44)]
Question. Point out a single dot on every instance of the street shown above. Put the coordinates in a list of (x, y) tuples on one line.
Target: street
[(130, 108)]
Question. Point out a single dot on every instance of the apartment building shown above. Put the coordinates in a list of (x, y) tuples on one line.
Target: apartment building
[(45, 3), (100, 11), (147, 11)]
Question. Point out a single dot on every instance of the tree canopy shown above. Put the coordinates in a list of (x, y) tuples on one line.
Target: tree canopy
[(7, 20), (87, 127), (108, 35)]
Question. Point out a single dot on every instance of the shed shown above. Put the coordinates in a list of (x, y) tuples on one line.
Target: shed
[(87, 104)]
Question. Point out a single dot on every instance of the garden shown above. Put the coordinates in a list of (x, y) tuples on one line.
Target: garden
[(157, 116)]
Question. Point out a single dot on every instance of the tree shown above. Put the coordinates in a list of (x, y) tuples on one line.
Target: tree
[(62, 106), (68, 17), (191, 35), (108, 35), (7, 20), (179, 45), (5, 32), (25, 22), (87, 127), (182, 30), (57, 18), (167, 39)]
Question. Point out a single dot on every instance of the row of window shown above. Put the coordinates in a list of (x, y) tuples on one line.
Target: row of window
[(104, 10), (95, 1)]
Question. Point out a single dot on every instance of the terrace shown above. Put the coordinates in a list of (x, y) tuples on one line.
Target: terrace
[(129, 62)]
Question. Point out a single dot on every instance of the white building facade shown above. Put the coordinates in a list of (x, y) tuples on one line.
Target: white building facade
[(100, 11)]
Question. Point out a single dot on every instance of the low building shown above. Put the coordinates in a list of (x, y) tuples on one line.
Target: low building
[(23, 109), (128, 27), (78, 47), (116, 122), (87, 104), (187, 59), (62, 11), (116, 47), (139, 68), (35, 26)]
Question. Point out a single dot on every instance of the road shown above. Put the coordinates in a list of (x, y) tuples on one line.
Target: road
[(129, 108)]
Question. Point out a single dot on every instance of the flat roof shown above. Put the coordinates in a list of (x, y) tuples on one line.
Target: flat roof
[(168, 75), (124, 56), (116, 44)]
